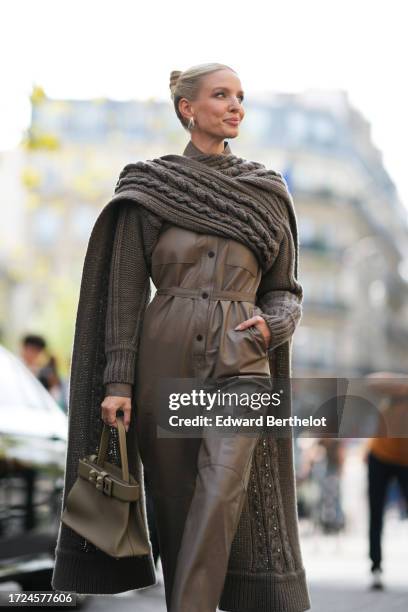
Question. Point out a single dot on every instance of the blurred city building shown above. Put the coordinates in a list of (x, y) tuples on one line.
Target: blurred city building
[(353, 228), (353, 231)]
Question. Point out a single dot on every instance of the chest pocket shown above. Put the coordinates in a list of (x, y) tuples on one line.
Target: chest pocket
[(241, 257), (175, 245)]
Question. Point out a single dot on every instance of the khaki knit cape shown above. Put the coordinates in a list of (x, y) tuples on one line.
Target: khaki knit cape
[(265, 571)]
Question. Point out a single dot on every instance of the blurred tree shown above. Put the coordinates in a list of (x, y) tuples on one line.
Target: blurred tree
[(37, 95), (56, 320)]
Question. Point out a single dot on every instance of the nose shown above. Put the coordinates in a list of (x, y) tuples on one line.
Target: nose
[(235, 101)]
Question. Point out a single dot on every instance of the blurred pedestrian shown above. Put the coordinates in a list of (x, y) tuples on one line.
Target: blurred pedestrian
[(387, 458), (43, 365), (32, 352), (326, 458), (331, 518)]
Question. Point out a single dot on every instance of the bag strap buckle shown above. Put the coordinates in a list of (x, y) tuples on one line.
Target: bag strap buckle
[(103, 483)]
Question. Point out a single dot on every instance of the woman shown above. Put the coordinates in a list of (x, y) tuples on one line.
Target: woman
[(217, 234)]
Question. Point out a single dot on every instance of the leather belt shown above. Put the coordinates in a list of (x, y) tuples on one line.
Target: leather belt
[(235, 296)]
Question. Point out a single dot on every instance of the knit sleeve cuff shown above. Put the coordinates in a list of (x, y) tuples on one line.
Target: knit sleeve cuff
[(120, 366), (118, 389), (281, 329), (282, 311)]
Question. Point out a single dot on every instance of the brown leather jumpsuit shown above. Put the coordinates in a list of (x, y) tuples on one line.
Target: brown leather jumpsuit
[(206, 285)]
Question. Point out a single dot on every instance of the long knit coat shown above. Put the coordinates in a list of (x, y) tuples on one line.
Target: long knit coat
[(265, 570)]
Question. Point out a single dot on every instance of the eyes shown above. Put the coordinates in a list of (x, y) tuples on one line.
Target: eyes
[(221, 93)]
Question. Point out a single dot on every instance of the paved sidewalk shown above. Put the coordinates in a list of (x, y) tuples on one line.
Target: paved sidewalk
[(337, 567), (325, 598), (337, 571)]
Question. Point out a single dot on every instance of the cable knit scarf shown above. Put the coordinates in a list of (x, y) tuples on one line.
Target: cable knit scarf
[(224, 194)]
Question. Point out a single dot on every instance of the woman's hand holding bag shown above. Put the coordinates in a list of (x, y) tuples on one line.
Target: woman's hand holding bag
[(103, 506)]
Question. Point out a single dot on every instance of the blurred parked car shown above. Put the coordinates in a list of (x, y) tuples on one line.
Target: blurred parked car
[(33, 435)]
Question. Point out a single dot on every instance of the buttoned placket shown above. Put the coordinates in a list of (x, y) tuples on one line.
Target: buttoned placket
[(207, 246)]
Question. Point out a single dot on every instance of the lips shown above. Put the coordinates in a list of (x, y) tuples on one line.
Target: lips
[(232, 121)]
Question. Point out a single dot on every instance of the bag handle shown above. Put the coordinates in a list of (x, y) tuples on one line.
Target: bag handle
[(122, 445)]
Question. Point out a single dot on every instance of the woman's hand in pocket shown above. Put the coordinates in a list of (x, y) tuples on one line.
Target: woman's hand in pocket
[(260, 323), (111, 404)]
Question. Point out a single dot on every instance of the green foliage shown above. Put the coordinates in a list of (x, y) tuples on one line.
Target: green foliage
[(56, 321)]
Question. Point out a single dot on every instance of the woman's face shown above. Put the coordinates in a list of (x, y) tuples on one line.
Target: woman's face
[(219, 101)]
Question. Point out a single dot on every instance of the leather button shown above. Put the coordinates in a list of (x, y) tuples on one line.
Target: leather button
[(211, 253), (204, 294), (199, 337)]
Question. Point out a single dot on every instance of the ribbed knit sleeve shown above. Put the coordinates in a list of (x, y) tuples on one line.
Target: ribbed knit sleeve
[(129, 294), (280, 295)]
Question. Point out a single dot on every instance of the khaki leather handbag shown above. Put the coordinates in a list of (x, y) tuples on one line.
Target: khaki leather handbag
[(103, 505)]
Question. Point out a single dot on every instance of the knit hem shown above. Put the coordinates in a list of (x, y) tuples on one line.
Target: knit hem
[(120, 366), (265, 592), (89, 574)]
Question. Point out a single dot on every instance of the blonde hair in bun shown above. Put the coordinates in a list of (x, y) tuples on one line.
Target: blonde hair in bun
[(186, 84), (174, 75)]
